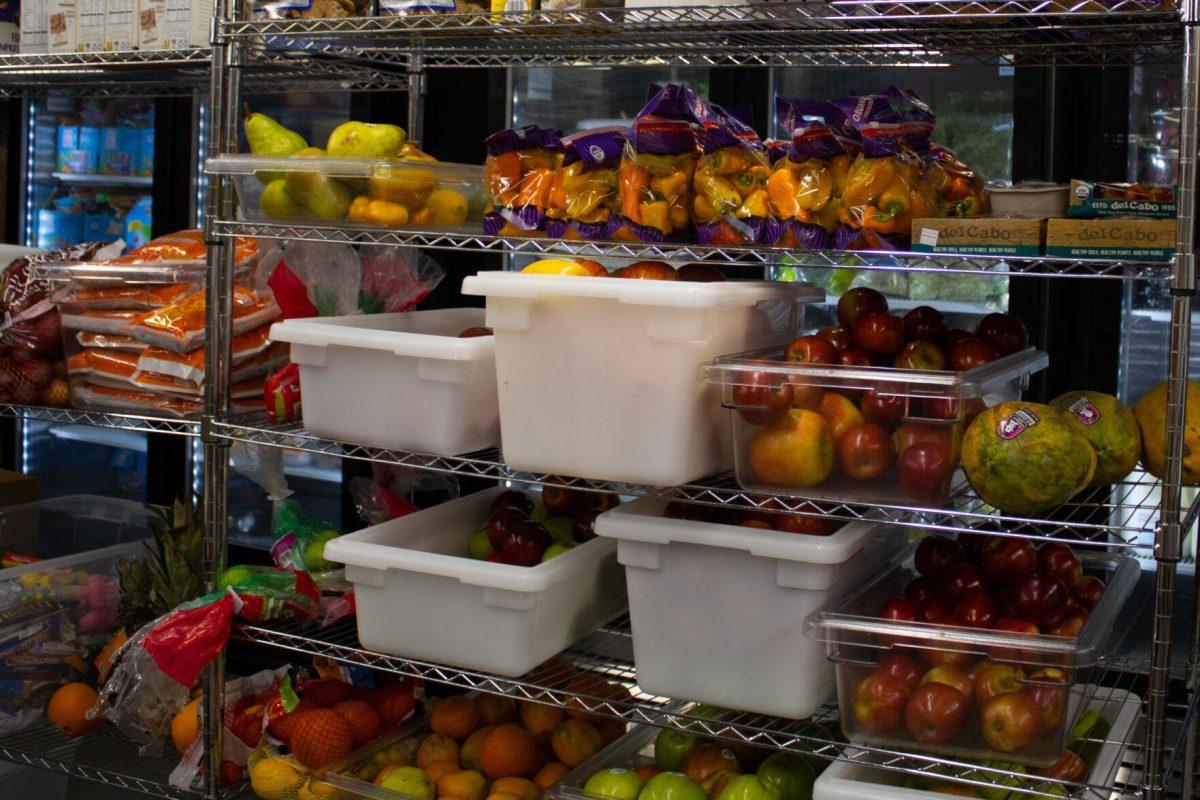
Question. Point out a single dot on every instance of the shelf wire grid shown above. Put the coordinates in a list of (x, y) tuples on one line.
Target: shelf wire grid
[(102, 419), (1044, 267), (1124, 515), (104, 756), (838, 33), (608, 654)]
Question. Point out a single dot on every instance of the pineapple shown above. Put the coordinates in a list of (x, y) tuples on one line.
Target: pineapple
[(173, 572)]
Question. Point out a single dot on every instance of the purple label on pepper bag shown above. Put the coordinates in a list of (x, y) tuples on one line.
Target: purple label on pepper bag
[(776, 149), (815, 140), (557, 228), (525, 218), (844, 236), (601, 147), (772, 231), (524, 138), (863, 109), (590, 231), (792, 114), (750, 229), (668, 123), (811, 237)]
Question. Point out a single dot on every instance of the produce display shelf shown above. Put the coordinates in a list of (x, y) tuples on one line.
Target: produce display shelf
[(1124, 515), (1041, 267), (102, 419), (836, 33), (104, 756), (103, 180), (609, 654)]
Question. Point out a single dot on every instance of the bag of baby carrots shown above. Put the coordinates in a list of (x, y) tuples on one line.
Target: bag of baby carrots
[(522, 166)]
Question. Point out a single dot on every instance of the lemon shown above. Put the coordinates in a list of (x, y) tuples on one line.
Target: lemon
[(449, 207), (275, 778), (556, 266), (318, 790)]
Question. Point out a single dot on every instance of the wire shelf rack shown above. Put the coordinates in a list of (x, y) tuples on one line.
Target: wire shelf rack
[(1042, 267), (608, 653), (837, 33), (102, 419), (1124, 515), (104, 756)]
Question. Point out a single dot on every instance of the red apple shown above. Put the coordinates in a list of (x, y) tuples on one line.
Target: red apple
[(947, 658), (883, 409), (934, 610), (925, 322), (957, 581), (1006, 332), (901, 609), (1036, 596), (1004, 558), (1060, 561), (811, 350), (970, 353), (511, 498), (836, 335), (603, 501), (920, 590), (809, 526), (958, 334), (902, 667), (995, 680), (755, 522), (925, 471), (1012, 625), (688, 511), (951, 676), (854, 357), (879, 703), (471, 333), (563, 502), (856, 301), (526, 543), (977, 609), (762, 397), (501, 522), (1046, 688), (936, 555), (976, 669), (583, 525), (700, 273), (909, 433), (920, 354), (1087, 591), (1071, 623), (1010, 722), (935, 713), (877, 332), (865, 451), (498, 557)]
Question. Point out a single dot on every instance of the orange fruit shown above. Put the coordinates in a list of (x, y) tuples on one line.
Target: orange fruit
[(365, 722), (395, 702), (510, 750), (541, 721), (328, 692), (185, 726), (466, 784), (281, 727), (320, 737), (503, 796), (496, 710), (575, 741), (609, 729), (549, 775), (68, 709), (455, 717), (437, 747), (471, 753), (438, 769), (518, 786)]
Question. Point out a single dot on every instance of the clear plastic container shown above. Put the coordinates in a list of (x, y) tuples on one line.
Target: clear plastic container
[(598, 376), (64, 604), (631, 750), (850, 780), (372, 193), (745, 623), (404, 381), (420, 595), (858, 639), (927, 408)]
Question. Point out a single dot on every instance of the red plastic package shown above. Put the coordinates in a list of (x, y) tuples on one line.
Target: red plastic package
[(180, 326), (281, 394)]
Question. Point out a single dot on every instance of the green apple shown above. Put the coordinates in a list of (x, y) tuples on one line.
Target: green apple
[(749, 787), (314, 553), (559, 529), (478, 545), (671, 786), (788, 776), (672, 746), (409, 781), (555, 550), (233, 575), (539, 514), (617, 783)]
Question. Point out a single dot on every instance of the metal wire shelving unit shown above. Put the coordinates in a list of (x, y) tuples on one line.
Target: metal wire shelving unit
[(102, 419), (1141, 513)]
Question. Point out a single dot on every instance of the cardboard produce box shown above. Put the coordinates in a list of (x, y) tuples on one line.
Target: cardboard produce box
[(1092, 199), (1138, 239), (999, 236), (173, 24)]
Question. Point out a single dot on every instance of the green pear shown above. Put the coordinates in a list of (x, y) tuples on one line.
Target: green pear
[(268, 138), (276, 203), (326, 197), (365, 140)]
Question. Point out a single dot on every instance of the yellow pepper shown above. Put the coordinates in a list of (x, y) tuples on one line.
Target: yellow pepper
[(670, 186), (678, 216), (377, 212), (655, 215), (750, 181), (720, 192), (816, 186), (894, 199), (839, 168), (703, 209), (782, 188), (726, 161), (755, 205), (867, 178), (827, 217)]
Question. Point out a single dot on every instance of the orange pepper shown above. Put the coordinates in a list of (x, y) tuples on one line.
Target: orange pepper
[(503, 175), (558, 194), (633, 184), (535, 188), (875, 220), (782, 187)]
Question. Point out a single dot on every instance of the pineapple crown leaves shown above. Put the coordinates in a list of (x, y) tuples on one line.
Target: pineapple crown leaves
[(172, 572)]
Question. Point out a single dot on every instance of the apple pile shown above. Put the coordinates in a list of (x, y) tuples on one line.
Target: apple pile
[(999, 583), (524, 533), (804, 430)]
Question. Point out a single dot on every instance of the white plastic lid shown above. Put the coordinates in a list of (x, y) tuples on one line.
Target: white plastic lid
[(681, 294), (422, 334)]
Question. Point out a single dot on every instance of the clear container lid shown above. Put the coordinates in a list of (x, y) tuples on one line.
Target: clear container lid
[(106, 273), (242, 164), (852, 627)]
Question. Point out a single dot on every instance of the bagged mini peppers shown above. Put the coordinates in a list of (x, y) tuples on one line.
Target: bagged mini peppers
[(584, 198), (521, 166), (657, 168), (730, 183), (959, 188)]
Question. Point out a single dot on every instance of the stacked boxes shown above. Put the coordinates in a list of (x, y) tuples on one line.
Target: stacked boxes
[(92, 26)]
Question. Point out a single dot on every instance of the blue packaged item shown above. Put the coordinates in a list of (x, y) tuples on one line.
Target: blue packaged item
[(137, 223), (101, 228), (77, 149), (58, 229), (115, 157), (89, 146), (145, 162)]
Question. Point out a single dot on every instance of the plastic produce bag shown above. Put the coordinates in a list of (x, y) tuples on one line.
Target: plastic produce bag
[(658, 167), (584, 198), (959, 188), (395, 279), (180, 326), (730, 183), (185, 245), (281, 394), (522, 166), (310, 279)]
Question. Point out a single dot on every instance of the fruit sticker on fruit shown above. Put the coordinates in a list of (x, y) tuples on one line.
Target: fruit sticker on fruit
[(1015, 424)]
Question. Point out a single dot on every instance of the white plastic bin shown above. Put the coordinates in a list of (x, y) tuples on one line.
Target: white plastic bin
[(846, 780), (405, 381), (599, 377), (734, 600), (420, 595)]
